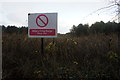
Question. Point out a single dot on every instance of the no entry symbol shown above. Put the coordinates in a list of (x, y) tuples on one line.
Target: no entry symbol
[(42, 20)]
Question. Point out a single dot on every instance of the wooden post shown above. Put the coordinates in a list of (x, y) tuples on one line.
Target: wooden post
[(42, 46), (119, 26), (53, 40)]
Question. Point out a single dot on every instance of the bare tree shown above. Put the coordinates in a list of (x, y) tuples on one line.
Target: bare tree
[(113, 4), (117, 3)]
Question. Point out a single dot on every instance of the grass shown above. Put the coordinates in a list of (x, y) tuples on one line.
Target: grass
[(85, 57)]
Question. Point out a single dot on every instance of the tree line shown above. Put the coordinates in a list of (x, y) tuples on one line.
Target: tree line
[(96, 28), (14, 29), (81, 29)]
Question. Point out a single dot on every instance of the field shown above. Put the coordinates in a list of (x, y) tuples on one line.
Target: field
[(86, 57)]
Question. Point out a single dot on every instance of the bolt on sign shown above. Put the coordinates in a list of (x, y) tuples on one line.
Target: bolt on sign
[(42, 25)]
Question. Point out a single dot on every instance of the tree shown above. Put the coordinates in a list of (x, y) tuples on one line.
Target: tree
[(11, 29), (3, 28), (80, 30), (23, 30), (73, 30), (97, 27), (110, 27)]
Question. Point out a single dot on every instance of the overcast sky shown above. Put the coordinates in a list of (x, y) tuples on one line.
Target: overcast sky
[(70, 12)]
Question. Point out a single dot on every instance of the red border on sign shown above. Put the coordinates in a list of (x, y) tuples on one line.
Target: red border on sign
[(39, 19)]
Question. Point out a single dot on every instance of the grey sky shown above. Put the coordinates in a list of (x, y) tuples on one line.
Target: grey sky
[(70, 12)]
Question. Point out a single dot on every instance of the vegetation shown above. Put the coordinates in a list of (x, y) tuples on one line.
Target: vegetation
[(96, 28), (92, 53)]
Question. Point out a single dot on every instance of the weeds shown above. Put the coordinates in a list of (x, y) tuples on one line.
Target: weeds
[(86, 57)]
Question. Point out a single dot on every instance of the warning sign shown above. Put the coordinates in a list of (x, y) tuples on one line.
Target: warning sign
[(42, 25)]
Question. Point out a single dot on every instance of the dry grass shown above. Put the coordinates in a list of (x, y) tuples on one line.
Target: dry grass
[(85, 57)]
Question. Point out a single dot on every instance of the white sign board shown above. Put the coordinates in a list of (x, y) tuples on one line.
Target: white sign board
[(42, 25)]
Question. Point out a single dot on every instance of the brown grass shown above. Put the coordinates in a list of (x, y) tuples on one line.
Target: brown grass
[(85, 57)]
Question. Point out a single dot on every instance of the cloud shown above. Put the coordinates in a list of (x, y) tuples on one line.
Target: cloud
[(50, 0), (13, 13)]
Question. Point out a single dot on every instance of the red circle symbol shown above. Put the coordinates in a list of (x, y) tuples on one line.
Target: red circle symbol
[(42, 20)]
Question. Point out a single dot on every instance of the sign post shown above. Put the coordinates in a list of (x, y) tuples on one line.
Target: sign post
[(42, 25), (42, 46)]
